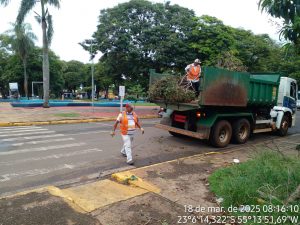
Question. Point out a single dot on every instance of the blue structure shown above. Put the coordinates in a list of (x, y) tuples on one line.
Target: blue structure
[(66, 103)]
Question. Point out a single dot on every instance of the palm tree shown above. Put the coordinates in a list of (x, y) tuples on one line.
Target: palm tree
[(22, 40), (45, 19)]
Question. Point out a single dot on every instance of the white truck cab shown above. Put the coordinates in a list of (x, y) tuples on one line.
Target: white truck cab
[(285, 111)]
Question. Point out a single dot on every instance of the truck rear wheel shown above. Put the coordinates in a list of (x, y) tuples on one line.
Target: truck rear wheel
[(284, 126), (221, 134), (241, 131)]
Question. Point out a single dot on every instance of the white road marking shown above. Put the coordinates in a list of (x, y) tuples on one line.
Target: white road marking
[(55, 156), (31, 137), (105, 124), (40, 149), (36, 172), (27, 133), (89, 132), (20, 131), (42, 142), (18, 128)]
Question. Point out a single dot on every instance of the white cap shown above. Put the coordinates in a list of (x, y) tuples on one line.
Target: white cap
[(197, 61)]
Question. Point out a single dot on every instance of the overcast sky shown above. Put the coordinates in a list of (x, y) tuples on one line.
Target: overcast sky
[(77, 20)]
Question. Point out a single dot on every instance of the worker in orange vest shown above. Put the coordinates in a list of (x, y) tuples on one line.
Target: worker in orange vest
[(129, 122), (193, 75)]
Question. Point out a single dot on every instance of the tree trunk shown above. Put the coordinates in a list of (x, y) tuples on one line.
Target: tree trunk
[(46, 72), (25, 78)]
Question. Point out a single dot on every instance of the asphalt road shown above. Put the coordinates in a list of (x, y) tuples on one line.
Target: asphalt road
[(62, 154)]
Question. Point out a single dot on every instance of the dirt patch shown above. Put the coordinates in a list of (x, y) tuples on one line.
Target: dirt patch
[(149, 209), (180, 168)]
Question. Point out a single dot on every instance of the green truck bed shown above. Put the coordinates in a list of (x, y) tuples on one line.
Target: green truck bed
[(220, 87)]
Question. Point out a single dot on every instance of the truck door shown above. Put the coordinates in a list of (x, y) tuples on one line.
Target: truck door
[(290, 99)]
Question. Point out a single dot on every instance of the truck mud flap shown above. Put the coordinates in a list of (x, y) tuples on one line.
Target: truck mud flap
[(199, 135)]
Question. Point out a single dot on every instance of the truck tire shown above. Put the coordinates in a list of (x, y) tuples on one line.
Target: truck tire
[(221, 134), (241, 131), (284, 126)]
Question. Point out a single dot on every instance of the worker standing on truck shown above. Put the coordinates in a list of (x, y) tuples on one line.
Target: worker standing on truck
[(129, 122), (193, 75)]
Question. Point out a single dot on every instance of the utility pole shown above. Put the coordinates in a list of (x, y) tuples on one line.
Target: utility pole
[(93, 82)]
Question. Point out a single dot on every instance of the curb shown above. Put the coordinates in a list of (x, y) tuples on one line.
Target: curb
[(58, 122)]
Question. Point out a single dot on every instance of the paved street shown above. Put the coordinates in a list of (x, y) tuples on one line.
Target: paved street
[(61, 154)]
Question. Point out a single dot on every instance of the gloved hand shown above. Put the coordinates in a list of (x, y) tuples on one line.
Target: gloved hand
[(143, 131), (112, 133)]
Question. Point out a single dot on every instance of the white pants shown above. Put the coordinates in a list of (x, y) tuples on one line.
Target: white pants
[(128, 143)]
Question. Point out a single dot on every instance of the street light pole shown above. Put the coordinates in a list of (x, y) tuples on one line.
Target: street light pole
[(93, 82)]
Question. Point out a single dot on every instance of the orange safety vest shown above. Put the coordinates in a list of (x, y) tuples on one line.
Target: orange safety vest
[(124, 122), (194, 72)]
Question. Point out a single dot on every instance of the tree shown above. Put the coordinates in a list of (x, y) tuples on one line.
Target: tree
[(136, 90), (45, 19), (211, 39), (104, 77), (289, 11), (11, 70), (139, 35), (259, 53), (74, 75), (22, 40)]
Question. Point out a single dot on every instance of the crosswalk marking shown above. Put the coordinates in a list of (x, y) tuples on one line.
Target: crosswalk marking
[(90, 132), (105, 124), (27, 133), (23, 130), (12, 152), (31, 137), (36, 172), (55, 156), (20, 127), (42, 142)]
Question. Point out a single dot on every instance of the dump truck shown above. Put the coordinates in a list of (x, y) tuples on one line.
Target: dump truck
[(232, 106)]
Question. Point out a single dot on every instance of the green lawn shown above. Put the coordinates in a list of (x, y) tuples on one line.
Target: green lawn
[(264, 183), (145, 104), (70, 115)]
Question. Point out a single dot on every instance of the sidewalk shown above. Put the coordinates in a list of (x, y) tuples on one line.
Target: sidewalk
[(9, 114), (153, 195)]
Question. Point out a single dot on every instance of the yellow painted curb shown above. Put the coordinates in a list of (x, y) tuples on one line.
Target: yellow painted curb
[(58, 122), (127, 177), (61, 193)]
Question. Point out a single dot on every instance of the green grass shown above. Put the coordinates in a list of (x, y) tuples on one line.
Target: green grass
[(70, 115), (144, 104), (268, 179)]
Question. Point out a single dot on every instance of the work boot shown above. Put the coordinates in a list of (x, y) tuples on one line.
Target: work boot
[(130, 162)]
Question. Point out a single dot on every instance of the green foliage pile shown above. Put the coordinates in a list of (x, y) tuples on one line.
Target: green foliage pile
[(168, 90), (268, 179)]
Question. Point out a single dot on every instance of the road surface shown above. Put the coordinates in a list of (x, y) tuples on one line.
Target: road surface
[(36, 156)]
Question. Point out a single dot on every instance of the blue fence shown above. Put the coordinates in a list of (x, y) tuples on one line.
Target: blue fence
[(57, 103)]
